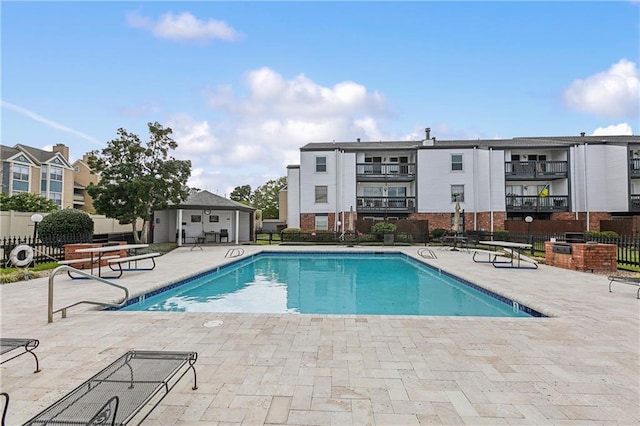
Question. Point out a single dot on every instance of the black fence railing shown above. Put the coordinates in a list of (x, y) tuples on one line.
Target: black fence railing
[(628, 247), (52, 249)]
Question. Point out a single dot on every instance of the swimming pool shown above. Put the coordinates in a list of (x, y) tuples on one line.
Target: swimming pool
[(330, 283)]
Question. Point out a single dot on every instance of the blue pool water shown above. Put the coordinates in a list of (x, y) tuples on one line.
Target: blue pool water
[(323, 283)]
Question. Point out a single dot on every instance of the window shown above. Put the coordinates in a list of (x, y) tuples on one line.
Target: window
[(55, 173), (457, 193), (56, 197), (321, 164), (322, 194), (322, 222), (214, 218), (456, 162), (196, 218), (20, 178)]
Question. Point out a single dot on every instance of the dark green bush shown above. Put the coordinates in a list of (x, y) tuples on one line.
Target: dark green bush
[(383, 228), (404, 237), (602, 234), (438, 232), (501, 235), (65, 227)]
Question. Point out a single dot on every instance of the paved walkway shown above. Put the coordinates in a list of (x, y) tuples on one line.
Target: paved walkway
[(581, 366)]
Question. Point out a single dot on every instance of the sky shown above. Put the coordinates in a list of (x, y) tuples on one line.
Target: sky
[(244, 85)]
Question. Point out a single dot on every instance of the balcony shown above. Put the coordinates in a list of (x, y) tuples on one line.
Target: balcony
[(536, 204), (543, 170), (634, 167), (385, 204), (634, 203), (375, 172)]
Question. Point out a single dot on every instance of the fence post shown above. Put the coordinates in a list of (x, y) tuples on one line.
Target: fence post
[(270, 237)]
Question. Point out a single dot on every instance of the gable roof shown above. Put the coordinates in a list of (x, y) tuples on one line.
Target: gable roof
[(37, 156), (208, 200)]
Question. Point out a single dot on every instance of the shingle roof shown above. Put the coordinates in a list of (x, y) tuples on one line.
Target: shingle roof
[(208, 200)]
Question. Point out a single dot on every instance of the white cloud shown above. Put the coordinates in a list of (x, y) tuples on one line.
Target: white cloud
[(48, 122), (612, 93), (614, 129), (184, 27), (255, 131)]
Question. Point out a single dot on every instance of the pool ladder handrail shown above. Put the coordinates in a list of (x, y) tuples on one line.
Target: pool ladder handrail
[(62, 268), (427, 253), (234, 252)]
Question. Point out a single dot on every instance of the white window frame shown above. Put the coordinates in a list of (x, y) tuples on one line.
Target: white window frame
[(456, 194), (321, 222), (319, 198), (456, 163), (19, 173), (320, 165)]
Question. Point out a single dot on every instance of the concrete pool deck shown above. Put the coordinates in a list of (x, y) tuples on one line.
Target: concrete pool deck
[(581, 366)]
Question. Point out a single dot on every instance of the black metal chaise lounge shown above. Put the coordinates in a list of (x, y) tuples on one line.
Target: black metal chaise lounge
[(10, 344), (635, 281), (119, 394)]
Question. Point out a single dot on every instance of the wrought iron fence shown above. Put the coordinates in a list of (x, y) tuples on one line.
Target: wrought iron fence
[(628, 246), (52, 249), (42, 252)]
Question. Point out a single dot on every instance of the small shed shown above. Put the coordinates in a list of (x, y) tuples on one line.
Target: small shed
[(205, 216)]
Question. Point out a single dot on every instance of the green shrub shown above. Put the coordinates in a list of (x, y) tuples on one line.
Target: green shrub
[(65, 227), (291, 230), (501, 235), (322, 236), (602, 234), (438, 233), (404, 237), (383, 228)]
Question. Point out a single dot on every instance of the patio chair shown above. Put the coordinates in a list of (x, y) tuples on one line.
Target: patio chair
[(635, 281), (11, 344), (224, 233), (6, 406), (118, 394)]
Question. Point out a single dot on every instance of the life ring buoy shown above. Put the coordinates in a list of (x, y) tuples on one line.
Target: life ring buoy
[(14, 256)]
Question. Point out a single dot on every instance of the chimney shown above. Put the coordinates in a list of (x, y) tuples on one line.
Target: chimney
[(582, 134), (62, 149), (428, 132)]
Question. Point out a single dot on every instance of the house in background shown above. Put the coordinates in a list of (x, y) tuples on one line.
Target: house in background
[(46, 173), (204, 215), (588, 178), (82, 178)]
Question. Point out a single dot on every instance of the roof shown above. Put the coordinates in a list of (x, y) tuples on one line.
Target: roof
[(37, 156), (208, 200), (517, 142)]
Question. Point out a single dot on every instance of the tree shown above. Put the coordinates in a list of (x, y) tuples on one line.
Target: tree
[(135, 180), (242, 194), (26, 202), (266, 197)]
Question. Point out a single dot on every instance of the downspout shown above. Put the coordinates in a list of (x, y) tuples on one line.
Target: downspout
[(237, 226), (336, 212), (475, 192), (179, 219), (586, 199), (574, 201), (490, 198)]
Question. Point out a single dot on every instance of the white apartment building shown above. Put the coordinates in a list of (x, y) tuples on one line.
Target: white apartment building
[(549, 178)]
